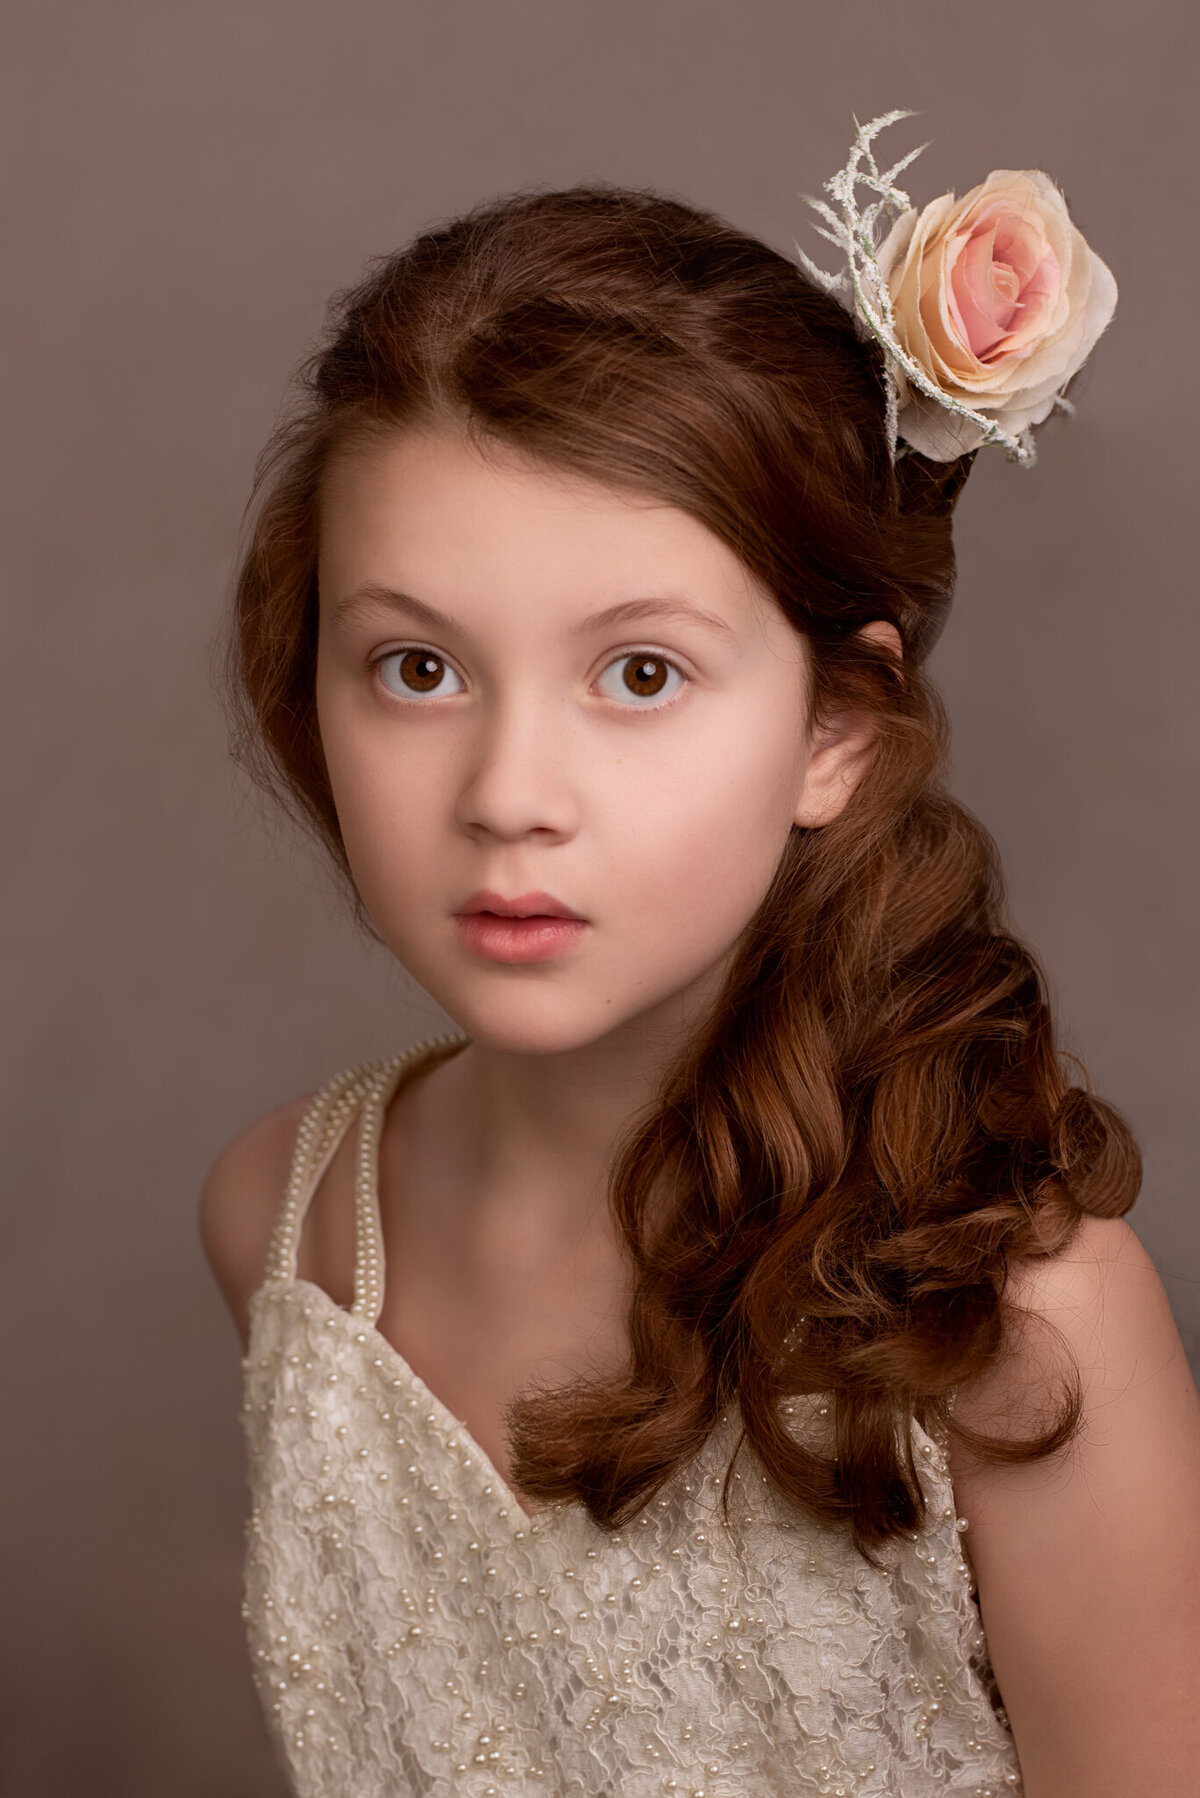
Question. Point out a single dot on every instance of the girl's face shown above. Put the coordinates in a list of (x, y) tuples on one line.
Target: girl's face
[(532, 684)]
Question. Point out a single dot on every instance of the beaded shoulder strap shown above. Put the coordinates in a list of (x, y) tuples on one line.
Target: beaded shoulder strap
[(364, 1090)]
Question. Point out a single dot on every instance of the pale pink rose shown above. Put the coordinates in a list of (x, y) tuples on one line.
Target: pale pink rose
[(999, 299)]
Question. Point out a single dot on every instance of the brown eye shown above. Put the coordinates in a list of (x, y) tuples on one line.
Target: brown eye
[(643, 677), (421, 671), (409, 672)]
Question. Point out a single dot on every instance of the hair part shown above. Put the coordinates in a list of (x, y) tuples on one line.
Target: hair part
[(875, 1123)]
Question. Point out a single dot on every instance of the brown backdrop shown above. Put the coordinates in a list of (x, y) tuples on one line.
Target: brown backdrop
[(187, 184)]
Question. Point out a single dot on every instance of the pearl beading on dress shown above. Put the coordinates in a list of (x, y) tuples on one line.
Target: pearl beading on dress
[(415, 1635)]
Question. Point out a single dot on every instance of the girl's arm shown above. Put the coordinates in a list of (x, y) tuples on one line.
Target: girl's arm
[(1088, 1564)]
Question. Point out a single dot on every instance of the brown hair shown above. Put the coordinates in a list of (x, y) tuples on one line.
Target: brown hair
[(875, 1121)]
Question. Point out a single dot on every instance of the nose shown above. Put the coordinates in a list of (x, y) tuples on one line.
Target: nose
[(518, 780)]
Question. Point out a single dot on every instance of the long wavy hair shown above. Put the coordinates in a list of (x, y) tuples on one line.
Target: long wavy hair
[(875, 1121)]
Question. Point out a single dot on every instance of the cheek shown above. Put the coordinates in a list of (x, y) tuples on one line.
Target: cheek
[(705, 839), (391, 828), (386, 807)]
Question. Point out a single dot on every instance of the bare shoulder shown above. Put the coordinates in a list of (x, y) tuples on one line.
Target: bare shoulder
[(1103, 1280), (1088, 1560), (1098, 1310), (239, 1203)]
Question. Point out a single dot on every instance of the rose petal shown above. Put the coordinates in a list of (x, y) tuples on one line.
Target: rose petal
[(983, 303), (1063, 346), (936, 432), (905, 279), (894, 247), (1025, 250), (1033, 403), (1024, 415)]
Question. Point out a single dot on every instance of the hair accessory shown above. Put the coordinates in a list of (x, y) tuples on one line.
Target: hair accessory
[(985, 306)]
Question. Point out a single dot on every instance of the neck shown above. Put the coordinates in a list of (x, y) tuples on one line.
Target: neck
[(532, 1136)]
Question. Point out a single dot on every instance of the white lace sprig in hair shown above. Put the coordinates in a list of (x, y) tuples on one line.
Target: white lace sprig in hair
[(984, 307)]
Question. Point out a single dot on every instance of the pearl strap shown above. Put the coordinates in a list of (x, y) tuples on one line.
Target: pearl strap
[(366, 1090)]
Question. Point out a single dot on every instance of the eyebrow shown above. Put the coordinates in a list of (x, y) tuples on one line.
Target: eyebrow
[(628, 611)]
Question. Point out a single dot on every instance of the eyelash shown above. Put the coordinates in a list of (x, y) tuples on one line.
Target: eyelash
[(625, 655)]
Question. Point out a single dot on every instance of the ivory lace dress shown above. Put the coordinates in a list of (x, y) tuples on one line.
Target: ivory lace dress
[(416, 1634)]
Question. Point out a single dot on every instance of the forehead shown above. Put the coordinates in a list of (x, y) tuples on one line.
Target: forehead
[(433, 511)]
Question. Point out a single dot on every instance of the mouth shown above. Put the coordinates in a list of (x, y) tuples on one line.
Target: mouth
[(535, 927), (525, 905)]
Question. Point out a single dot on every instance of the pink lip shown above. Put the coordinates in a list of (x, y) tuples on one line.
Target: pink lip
[(525, 905), (532, 927)]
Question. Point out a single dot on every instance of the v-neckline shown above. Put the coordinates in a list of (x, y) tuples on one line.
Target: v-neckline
[(403, 1369), (424, 1058), (365, 1094)]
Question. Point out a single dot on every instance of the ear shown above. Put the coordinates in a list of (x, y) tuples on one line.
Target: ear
[(841, 749)]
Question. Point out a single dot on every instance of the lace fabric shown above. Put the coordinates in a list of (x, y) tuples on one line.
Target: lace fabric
[(415, 1634)]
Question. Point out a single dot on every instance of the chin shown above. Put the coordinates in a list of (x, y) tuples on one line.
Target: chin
[(554, 1009), (522, 1026), (532, 1019)]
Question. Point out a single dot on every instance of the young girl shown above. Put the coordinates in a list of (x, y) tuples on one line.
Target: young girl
[(720, 1367)]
